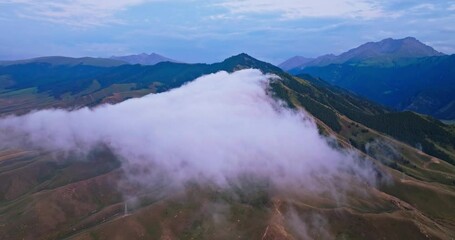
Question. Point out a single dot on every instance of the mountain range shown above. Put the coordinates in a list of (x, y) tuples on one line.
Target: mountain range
[(402, 74), (142, 59), (42, 197)]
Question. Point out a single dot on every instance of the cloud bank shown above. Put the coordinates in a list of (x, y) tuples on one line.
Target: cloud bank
[(213, 130)]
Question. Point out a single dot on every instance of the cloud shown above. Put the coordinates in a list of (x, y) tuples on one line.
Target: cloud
[(424, 7), (213, 130), (294, 9), (80, 13), (311, 226)]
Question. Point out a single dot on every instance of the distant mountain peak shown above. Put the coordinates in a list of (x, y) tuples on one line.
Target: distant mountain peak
[(408, 47), (144, 59), (410, 38), (386, 50)]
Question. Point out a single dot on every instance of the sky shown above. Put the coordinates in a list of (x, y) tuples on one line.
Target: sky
[(210, 31)]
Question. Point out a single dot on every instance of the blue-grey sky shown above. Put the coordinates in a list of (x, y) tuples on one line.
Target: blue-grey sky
[(209, 31)]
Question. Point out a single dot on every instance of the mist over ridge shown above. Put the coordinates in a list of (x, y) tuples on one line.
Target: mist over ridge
[(216, 128)]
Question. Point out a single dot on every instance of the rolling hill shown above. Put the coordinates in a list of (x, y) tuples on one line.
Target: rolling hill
[(45, 198)]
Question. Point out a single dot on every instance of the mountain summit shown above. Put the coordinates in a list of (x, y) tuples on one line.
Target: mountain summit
[(383, 51), (143, 59), (389, 48)]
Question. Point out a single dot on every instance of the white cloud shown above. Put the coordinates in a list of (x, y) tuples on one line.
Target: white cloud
[(81, 13), (216, 128), (293, 9), (424, 7)]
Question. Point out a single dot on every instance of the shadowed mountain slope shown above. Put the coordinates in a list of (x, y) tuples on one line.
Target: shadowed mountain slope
[(402, 74)]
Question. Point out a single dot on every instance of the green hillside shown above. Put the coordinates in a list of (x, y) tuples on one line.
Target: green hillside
[(424, 85)]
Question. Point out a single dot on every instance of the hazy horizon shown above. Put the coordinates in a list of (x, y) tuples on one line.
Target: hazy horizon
[(196, 31)]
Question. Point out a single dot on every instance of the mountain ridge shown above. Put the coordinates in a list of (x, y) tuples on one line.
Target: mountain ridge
[(144, 59), (294, 62), (61, 60), (86, 82)]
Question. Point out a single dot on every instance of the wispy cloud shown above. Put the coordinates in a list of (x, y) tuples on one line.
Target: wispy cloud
[(294, 9), (424, 6), (80, 13)]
